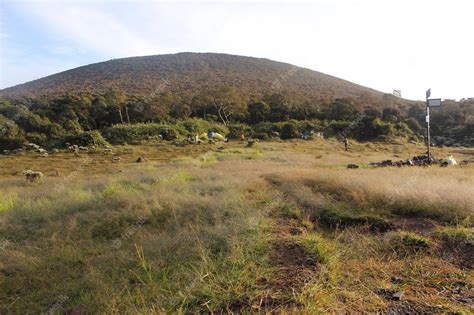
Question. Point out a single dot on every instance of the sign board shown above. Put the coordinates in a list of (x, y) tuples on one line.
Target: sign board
[(435, 102), (428, 93)]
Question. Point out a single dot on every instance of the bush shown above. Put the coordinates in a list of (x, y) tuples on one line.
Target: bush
[(11, 136), (86, 139), (120, 134), (262, 136), (235, 130), (336, 127), (36, 137), (199, 126), (290, 131)]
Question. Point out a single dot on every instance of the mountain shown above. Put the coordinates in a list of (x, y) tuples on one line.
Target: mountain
[(189, 73)]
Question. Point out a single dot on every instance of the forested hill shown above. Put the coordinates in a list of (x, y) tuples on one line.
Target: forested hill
[(256, 96), (188, 73)]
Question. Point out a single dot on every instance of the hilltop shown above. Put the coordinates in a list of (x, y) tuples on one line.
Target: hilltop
[(185, 73)]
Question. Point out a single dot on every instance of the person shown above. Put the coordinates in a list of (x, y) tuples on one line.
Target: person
[(242, 137), (346, 144)]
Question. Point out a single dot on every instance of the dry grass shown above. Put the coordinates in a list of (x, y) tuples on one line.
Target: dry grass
[(196, 233), (444, 194)]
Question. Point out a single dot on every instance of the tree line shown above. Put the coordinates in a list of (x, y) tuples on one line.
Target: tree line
[(46, 120)]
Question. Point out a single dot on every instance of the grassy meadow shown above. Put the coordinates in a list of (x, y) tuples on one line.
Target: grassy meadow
[(223, 228)]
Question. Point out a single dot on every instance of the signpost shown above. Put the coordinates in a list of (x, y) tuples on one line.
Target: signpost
[(435, 102)]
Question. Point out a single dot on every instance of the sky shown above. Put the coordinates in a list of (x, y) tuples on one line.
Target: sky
[(387, 45)]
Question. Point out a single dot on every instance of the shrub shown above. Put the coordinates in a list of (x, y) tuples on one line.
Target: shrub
[(235, 130), (336, 127), (120, 134), (36, 137), (198, 126), (290, 131), (87, 138)]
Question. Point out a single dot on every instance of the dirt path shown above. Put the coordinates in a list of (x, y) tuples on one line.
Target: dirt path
[(294, 267)]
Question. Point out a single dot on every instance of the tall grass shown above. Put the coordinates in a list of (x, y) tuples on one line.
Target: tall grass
[(192, 235), (443, 194), (186, 237)]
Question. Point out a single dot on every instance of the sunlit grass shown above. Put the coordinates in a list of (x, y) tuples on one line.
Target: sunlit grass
[(194, 235)]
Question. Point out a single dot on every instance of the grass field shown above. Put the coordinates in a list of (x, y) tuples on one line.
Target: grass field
[(279, 227)]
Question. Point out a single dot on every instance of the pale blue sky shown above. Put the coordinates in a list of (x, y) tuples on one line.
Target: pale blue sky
[(386, 45)]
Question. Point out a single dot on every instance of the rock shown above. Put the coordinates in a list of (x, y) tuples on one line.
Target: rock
[(32, 146), (141, 159), (352, 166), (396, 279), (397, 296), (387, 163), (179, 143)]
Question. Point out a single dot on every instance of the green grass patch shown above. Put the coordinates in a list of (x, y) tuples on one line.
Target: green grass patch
[(334, 216), (112, 189), (317, 246), (455, 234), (414, 240), (7, 201)]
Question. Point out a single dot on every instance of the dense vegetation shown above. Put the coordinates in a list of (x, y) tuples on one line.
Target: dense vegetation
[(129, 119)]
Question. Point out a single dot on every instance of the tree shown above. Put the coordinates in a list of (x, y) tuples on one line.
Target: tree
[(258, 112), (226, 102), (116, 99), (341, 110)]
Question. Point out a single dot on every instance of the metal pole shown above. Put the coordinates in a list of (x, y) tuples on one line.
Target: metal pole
[(428, 142)]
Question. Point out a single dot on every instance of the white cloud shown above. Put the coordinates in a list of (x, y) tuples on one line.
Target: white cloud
[(92, 29), (386, 45)]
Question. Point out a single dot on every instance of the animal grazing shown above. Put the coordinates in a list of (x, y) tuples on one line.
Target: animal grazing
[(32, 176)]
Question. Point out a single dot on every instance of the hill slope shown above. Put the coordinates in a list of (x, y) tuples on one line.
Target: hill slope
[(191, 72)]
